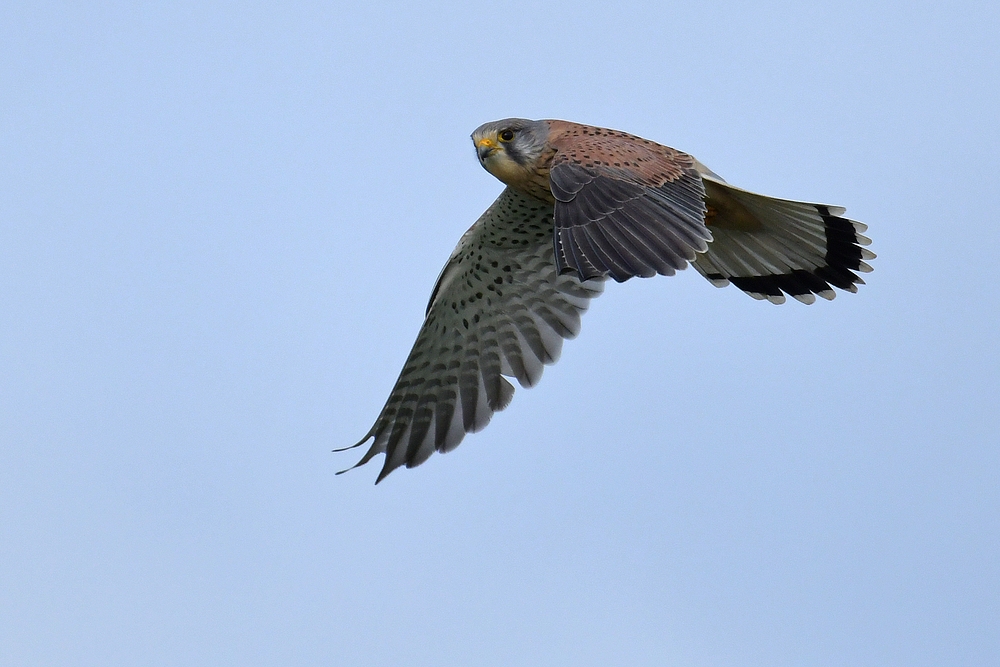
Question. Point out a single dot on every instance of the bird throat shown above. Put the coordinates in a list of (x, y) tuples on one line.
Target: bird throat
[(531, 179)]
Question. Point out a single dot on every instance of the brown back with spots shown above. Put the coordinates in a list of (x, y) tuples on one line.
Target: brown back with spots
[(624, 206), (645, 161)]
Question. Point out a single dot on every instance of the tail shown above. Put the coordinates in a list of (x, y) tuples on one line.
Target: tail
[(771, 247)]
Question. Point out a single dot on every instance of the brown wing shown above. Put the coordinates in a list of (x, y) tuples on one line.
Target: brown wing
[(625, 206)]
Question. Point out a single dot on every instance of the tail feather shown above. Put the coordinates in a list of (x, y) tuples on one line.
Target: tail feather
[(771, 247)]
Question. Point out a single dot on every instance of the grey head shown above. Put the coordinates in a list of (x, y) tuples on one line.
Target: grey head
[(509, 147)]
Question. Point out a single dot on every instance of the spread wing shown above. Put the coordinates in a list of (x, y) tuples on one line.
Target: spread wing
[(770, 247), (499, 308), (625, 206)]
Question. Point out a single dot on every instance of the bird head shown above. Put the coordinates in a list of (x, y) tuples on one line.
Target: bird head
[(509, 148)]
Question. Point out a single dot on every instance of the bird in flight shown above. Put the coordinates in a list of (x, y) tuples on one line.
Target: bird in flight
[(584, 204)]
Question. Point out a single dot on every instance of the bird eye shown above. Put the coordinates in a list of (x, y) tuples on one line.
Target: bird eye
[(506, 135)]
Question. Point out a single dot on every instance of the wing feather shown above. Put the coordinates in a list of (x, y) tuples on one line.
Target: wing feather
[(624, 206), (499, 308)]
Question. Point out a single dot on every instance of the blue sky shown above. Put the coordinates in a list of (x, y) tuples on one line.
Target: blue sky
[(219, 226)]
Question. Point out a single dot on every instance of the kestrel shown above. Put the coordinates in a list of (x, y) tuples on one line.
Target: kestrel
[(583, 204)]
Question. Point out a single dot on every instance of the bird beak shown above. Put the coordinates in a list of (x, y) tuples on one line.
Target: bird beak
[(485, 147)]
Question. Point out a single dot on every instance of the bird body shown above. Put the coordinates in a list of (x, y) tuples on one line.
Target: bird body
[(584, 204)]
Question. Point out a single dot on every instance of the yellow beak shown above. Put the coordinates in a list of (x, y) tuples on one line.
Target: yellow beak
[(484, 147)]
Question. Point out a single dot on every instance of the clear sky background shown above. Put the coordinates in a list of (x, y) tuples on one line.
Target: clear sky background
[(219, 226)]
